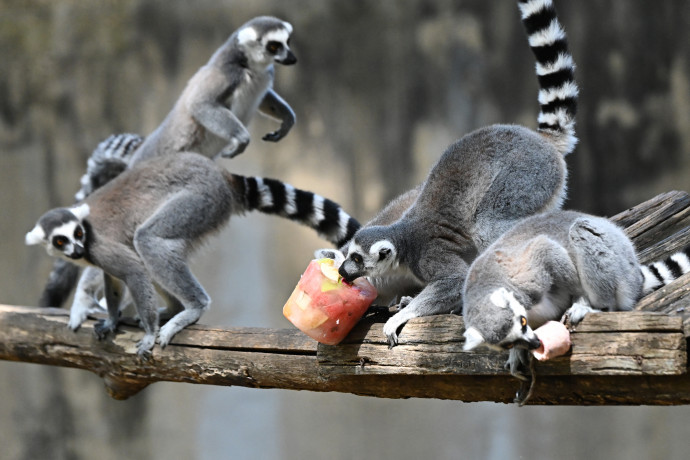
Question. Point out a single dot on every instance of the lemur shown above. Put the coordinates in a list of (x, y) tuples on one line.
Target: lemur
[(480, 187), (391, 288), (107, 161), (219, 100), (141, 227), (550, 265), (208, 118)]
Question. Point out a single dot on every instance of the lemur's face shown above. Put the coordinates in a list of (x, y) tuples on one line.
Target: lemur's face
[(62, 233), (499, 323), (375, 259), (264, 45)]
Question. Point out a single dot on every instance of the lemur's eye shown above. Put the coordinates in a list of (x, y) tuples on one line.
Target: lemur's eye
[(523, 322), (78, 234), (356, 258), (59, 241), (274, 47)]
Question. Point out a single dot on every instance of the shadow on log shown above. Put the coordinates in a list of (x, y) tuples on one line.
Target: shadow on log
[(637, 357)]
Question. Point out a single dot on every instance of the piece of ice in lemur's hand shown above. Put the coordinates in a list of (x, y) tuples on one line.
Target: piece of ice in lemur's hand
[(325, 307), (555, 340)]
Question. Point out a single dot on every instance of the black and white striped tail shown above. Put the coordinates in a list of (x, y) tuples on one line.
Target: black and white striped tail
[(272, 196), (107, 161), (659, 274), (555, 72)]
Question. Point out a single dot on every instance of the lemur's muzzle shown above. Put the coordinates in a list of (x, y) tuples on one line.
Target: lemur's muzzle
[(77, 252), (289, 59)]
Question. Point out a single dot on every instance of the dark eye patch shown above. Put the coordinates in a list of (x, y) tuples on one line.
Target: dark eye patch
[(274, 47), (356, 258), (78, 233), (60, 241)]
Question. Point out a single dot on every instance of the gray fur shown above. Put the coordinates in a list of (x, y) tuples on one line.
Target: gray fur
[(211, 115), (547, 266), (481, 186), (141, 227)]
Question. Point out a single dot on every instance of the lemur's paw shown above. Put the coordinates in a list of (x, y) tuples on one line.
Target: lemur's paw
[(577, 313), (145, 346), (75, 322), (329, 253), (275, 136), (102, 328), (234, 148)]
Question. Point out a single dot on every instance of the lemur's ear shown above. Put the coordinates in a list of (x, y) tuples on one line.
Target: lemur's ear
[(384, 252), (473, 338), (383, 248), (35, 236), (81, 211), (246, 35)]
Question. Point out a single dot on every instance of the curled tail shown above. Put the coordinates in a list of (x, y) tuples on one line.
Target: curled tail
[(555, 72), (659, 274), (272, 196), (107, 161)]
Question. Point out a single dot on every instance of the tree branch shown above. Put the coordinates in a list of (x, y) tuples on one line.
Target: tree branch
[(617, 358)]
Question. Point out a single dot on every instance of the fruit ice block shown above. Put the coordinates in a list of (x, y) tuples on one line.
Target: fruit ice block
[(555, 340), (324, 306)]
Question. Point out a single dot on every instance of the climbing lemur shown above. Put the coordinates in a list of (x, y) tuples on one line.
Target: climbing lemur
[(219, 100), (481, 186), (551, 265), (141, 227)]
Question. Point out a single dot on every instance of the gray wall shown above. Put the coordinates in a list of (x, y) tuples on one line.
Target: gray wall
[(380, 89)]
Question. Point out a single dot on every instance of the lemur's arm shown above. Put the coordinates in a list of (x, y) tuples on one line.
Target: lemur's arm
[(274, 106), (205, 106)]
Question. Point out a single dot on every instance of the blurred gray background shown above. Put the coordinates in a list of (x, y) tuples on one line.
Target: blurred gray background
[(380, 89)]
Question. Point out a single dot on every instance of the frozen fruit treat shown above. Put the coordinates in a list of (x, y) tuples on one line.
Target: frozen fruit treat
[(324, 306), (555, 340)]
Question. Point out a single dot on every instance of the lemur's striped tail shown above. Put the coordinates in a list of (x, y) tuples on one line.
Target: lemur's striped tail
[(272, 196), (555, 72), (661, 273), (108, 160)]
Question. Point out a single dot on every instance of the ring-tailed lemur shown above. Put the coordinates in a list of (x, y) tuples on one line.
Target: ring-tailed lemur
[(141, 227), (480, 187), (391, 287), (550, 265), (219, 100), (107, 161)]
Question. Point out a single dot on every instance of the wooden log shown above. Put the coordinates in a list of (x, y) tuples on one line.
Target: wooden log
[(616, 358), (435, 366)]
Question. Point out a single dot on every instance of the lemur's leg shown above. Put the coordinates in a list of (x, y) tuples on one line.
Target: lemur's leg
[(208, 111), (86, 297), (603, 269), (163, 244), (113, 296), (274, 106)]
